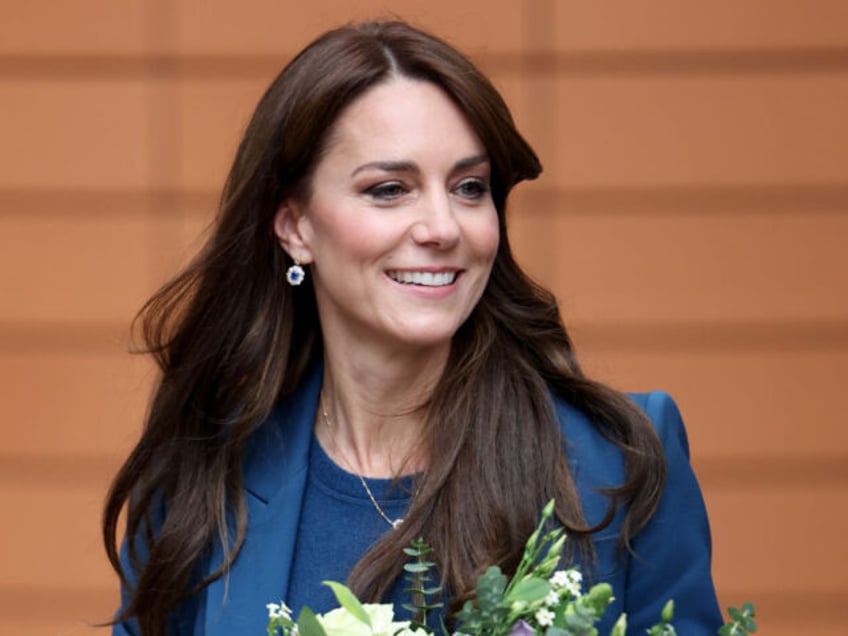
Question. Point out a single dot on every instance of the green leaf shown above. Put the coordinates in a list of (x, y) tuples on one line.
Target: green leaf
[(490, 588), (348, 600), (415, 568), (597, 598), (667, 613), (308, 625), (620, 627), (529, 590)]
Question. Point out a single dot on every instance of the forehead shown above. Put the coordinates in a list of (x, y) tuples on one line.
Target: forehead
[(402, 117)]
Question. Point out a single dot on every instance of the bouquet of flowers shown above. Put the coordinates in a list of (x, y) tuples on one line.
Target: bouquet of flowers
[(539, 600)]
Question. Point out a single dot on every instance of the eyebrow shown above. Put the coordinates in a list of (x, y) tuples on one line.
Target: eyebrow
[(411, 166)]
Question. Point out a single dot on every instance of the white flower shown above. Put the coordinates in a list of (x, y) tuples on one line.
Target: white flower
[(544, 617), (573, 585), (559, 579), (278, 610), (552, 598), (568, 580), (340, 622)]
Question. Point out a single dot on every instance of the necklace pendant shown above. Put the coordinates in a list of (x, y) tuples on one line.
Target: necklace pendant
[(396, 523)]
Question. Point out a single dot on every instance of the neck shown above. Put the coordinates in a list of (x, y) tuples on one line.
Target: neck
[(375, 406)]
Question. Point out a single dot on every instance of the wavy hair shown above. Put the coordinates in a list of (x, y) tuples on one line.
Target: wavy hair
[(231, 339)]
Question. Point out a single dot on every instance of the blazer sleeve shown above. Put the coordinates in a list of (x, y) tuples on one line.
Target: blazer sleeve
[(128, 627), (673, 552)]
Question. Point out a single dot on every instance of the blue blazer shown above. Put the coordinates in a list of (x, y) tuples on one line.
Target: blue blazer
[(672, 553)]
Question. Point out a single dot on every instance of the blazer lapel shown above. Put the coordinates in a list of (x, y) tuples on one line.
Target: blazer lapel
[(275, 472)]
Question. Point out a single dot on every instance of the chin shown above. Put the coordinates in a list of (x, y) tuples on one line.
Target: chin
[(426, 337)]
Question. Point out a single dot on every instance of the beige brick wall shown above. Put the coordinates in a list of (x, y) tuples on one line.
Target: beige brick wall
[(692, 219)]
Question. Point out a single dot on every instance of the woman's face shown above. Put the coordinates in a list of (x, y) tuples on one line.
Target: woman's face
[(400, 230)]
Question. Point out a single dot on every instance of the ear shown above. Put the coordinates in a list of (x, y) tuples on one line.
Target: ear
[(291, 226)]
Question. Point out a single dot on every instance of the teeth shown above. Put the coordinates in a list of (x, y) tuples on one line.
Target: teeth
[(427, 279)]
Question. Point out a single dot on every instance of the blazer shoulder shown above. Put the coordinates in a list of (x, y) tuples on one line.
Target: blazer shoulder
[(658, 406), (665, 415)]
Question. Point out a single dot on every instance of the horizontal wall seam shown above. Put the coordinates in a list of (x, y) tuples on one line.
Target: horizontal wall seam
[(717, 474), (715, 199), (711, 337), (661, 337), (687, 62), (743, 474), (85, 607)]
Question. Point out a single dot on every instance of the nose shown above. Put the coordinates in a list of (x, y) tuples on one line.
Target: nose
[(436, 225)]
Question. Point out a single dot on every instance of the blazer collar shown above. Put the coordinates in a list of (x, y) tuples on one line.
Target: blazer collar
[(275, 472)]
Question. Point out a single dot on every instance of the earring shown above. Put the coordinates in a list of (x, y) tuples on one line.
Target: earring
[(295, 274)]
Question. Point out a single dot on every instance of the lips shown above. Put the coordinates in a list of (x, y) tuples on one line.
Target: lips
[(424, 279)]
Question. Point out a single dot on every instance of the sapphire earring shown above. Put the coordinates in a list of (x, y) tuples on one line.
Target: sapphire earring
[(295, 274)]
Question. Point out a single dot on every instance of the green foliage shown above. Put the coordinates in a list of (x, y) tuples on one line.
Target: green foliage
[(500, 603), (664, 627), (308, 625), (538, 599), (347, 600), (741, 622), (420, 589)]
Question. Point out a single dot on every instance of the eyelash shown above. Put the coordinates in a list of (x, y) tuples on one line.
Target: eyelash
[(392, 190), (387, 191), (480, 188)]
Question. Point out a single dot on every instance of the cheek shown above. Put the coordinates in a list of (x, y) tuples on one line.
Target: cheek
[(355, 238)]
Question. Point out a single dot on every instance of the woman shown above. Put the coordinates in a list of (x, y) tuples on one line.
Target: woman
[(355, 360)]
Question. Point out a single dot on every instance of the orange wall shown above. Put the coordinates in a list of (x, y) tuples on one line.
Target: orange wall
[(692, 219)]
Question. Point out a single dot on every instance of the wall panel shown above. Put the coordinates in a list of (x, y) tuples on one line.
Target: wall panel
[(221, 27), (74, 134), (211, 117), (71, 269), (760, 557), (678, 268), (738, 402), (691, 220), (65, 403), (671, 26), (39, 513), (100, 27), (695, 130)]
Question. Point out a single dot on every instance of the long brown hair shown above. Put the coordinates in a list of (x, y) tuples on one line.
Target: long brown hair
[(232, 338)]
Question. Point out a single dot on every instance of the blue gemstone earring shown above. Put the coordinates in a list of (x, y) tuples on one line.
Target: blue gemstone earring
[(295, 274)]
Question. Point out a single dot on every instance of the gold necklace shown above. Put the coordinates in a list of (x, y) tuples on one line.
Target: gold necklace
[(394, 523)]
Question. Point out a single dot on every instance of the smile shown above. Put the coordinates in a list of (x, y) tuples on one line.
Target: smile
[(427, 279)]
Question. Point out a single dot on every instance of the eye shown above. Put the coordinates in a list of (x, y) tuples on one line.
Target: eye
[(386, 191), (472, 188)]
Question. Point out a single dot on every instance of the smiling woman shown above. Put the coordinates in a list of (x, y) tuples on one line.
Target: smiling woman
[(400, 228), (355, 360)]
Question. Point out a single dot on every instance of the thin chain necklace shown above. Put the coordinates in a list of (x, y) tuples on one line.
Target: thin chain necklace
[(394, 523)]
